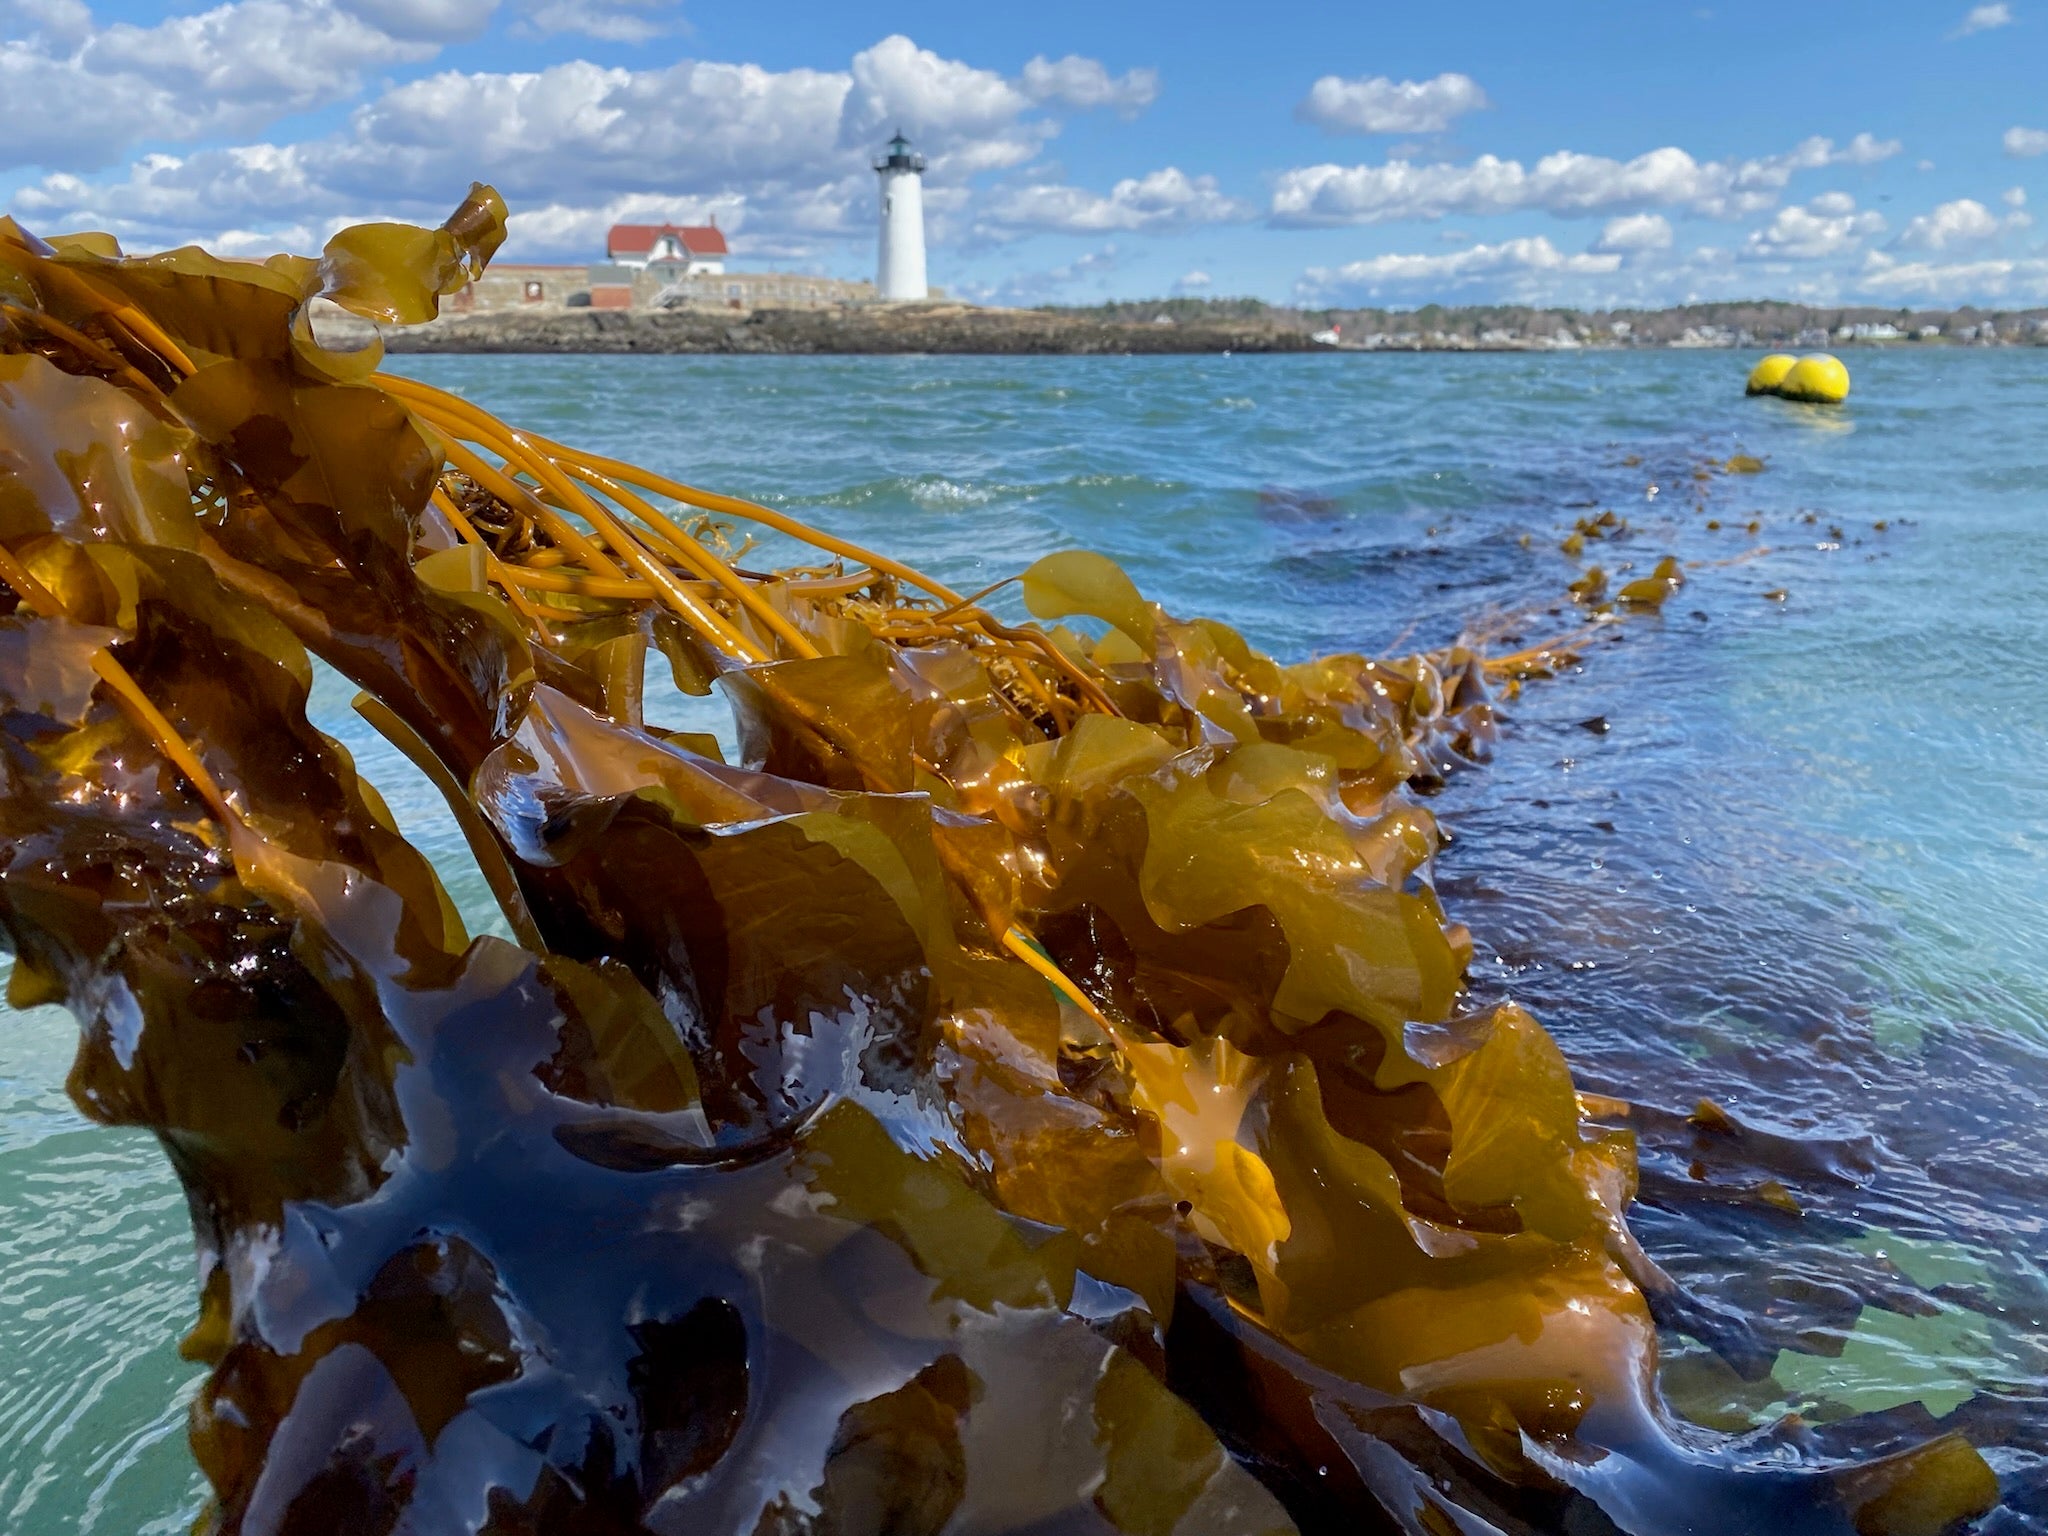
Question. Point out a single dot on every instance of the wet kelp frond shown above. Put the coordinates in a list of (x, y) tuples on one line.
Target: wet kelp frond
[(1033, 1090)]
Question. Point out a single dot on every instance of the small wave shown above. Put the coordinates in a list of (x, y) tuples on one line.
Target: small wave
[(938, 493), (932, 492), (1121, 482)]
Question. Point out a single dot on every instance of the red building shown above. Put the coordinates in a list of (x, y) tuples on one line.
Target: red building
[(693, 247)]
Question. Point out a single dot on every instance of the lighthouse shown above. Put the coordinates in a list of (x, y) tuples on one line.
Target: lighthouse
[(901, 274)]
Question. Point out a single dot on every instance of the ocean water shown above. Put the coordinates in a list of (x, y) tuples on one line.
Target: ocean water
[(1783, 847)]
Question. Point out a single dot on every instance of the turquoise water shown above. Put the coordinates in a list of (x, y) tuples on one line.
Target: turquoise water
[(1802, 871)]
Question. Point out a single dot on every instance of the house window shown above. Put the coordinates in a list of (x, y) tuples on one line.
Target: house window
[(732, 290), (533, 292)]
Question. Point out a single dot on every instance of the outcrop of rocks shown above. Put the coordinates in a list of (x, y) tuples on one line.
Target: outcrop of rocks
[(955, 328)]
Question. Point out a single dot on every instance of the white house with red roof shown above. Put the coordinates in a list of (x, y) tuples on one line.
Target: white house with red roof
[(694, 248)]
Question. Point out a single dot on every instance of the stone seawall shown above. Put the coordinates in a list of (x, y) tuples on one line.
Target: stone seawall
[(909, 328)]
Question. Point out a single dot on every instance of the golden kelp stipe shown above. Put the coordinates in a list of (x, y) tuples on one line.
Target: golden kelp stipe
[(1033, 1090)]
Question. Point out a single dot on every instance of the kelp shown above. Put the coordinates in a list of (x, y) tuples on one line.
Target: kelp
[(1034, 1089)]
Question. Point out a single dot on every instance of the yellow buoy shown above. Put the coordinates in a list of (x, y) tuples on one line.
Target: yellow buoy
[(1817, 378), (1767, 375)]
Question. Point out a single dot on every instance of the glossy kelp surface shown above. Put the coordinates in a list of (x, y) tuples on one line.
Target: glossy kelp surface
[(1033, 1090)]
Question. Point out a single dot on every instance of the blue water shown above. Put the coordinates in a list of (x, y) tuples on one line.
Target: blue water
[(1802, 872)]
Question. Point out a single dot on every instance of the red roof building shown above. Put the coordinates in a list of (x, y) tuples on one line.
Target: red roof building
[(697, 247)]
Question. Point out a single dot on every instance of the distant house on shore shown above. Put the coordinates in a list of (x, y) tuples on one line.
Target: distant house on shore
[(654, 266), (693, 248)]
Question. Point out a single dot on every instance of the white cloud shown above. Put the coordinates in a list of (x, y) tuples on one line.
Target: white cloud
[(1085, 83), (79, 102), (1984, 18), (1827, 226), (782, 157), (583, 173), (610, 21), (1635, 232), (574, 130), (437, 21), (779, 222), (1962, 222), (1193, 282), (259, 243), (1047, 286), (971, 116), (1864, 149), (580, 132), (2014, 197), (1529, 255), (59, 22), (1380, 105), (1956, 282), (1165, 199), (2025, 143), (165, 197), (1565, 183)]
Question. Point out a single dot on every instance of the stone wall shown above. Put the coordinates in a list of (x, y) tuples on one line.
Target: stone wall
[(531, 288), (521, 285), (614, 287)]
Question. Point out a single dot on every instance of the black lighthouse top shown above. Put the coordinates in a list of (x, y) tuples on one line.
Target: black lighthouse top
[(900, 158)]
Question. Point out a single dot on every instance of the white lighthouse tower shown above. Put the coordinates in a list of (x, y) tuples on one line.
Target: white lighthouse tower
[(901, 274)]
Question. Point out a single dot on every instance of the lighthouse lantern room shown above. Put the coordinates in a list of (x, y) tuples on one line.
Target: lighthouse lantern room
[(901, 269)]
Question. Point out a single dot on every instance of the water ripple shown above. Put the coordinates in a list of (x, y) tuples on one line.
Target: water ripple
[(1801, 874)]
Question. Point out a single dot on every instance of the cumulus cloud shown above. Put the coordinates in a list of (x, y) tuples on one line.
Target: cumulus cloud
[(609, 21), (1044, 287), (436, 21), (78, 100), (1962, 222), (164, 197), (973, 116), (59, 22), (1864, 149), (1085, 83), (1984, 18), (2025, 143), (2014, 197), (1565, 183), (1451, 269), (1635, 232), (1376, 104), (781, 156), (1165, 199), (1193, 282), (580, 131), (1827, 226), (1956, 282)]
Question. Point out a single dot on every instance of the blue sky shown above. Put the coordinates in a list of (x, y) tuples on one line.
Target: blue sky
[(1392, 154)]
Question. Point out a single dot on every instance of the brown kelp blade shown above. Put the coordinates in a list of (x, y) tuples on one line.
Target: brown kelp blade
[(1032, 1090)]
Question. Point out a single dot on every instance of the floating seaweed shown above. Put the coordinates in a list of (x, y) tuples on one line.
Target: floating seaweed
[(1031, 1091)]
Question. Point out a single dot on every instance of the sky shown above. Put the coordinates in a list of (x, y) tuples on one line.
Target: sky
[(1641, 153)]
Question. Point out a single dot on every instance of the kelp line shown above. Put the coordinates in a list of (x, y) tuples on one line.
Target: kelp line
[(1032, 1092)]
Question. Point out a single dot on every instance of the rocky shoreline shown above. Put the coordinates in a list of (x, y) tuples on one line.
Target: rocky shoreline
[(1166, 328), (918, 328)]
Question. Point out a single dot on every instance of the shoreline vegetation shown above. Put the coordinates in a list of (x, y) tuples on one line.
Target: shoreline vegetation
[(1187, 326)]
